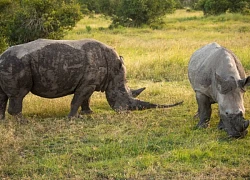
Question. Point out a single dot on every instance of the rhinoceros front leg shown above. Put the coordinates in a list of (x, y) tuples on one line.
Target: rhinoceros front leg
[(85, 107), (15, 108), (3, 103), (204, 109), (221, 125), (81, 95)]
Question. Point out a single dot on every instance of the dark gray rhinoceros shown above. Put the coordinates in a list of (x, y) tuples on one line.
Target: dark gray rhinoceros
[(56, 68), (217, 76)]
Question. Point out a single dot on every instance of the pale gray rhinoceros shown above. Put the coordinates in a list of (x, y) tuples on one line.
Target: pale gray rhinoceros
[(56, 68), (217, 76)]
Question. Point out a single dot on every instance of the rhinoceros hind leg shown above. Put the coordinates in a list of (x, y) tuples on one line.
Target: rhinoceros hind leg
[(204, 109), (3, 103), (81, 95), (85, 107)]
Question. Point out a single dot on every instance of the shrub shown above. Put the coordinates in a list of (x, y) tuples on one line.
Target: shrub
[(35, 19), (216, 7), (138, 12)]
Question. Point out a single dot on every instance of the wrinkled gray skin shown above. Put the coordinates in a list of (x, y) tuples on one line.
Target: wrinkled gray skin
[(217, 76), (56, 68)]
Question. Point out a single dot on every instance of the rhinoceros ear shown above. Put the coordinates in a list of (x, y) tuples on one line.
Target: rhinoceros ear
[(244, 82), (225, 85), (122, 60)]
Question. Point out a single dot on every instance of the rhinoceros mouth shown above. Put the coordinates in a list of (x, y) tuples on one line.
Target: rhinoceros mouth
[(238, 135), (235, 127)]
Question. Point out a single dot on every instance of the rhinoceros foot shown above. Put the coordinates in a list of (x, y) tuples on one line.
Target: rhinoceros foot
[(20, 119), (203, 124), (239, 135), (221, 126), (86, 112)]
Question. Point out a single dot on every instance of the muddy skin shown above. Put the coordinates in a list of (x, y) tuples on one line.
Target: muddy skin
[(56, 68)]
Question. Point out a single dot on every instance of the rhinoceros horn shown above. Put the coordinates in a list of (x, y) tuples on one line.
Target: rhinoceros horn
[(118, 94), (141, 105), (137, 92), (120, 99)]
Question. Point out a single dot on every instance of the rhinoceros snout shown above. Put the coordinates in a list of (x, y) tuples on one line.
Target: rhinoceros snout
[(238, 134), (235, 125), (246, 124), (242, 132)]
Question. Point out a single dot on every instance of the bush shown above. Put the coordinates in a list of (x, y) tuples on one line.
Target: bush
[(138, 12), (216, 7), (35, 19), (4, 14), (237, 6), (132, 13)]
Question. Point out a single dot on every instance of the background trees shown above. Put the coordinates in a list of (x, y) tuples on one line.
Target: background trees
[(216, 7), (131, 12), (25, 20), (138, 12)]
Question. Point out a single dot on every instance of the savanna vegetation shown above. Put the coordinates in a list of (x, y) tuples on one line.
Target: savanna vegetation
[(150, 144)]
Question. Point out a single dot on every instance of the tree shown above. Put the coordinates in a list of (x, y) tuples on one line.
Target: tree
[(237, 6), (213, 7), (131, 12), (138, 12), (216, 7), (33, 19), (4, 16)]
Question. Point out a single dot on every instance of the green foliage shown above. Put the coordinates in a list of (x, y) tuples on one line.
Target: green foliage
[(133, 13), (138, 12), (238, 6), (216, 7), (42, 19), (4, 16), (91, 5), (26, 20)]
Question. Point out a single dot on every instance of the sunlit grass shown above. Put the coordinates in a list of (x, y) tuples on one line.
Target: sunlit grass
[(151, 144)]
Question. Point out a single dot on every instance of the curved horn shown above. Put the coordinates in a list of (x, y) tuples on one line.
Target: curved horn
[(140, 105), (137, 92)]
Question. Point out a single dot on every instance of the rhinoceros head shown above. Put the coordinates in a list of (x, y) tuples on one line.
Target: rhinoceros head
[(230, 100), (119, 95)]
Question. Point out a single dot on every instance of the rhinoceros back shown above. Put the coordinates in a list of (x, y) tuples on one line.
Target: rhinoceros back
[(57, 67), (201, 65), (210, 60)]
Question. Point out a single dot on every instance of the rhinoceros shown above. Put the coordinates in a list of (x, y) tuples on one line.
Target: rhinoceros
[(56, 68), (217, 76)]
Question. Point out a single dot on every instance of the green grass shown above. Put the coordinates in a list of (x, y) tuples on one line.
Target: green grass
[(151, 144)]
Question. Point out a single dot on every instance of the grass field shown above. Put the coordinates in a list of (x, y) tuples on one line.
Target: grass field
[(150, 144)]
